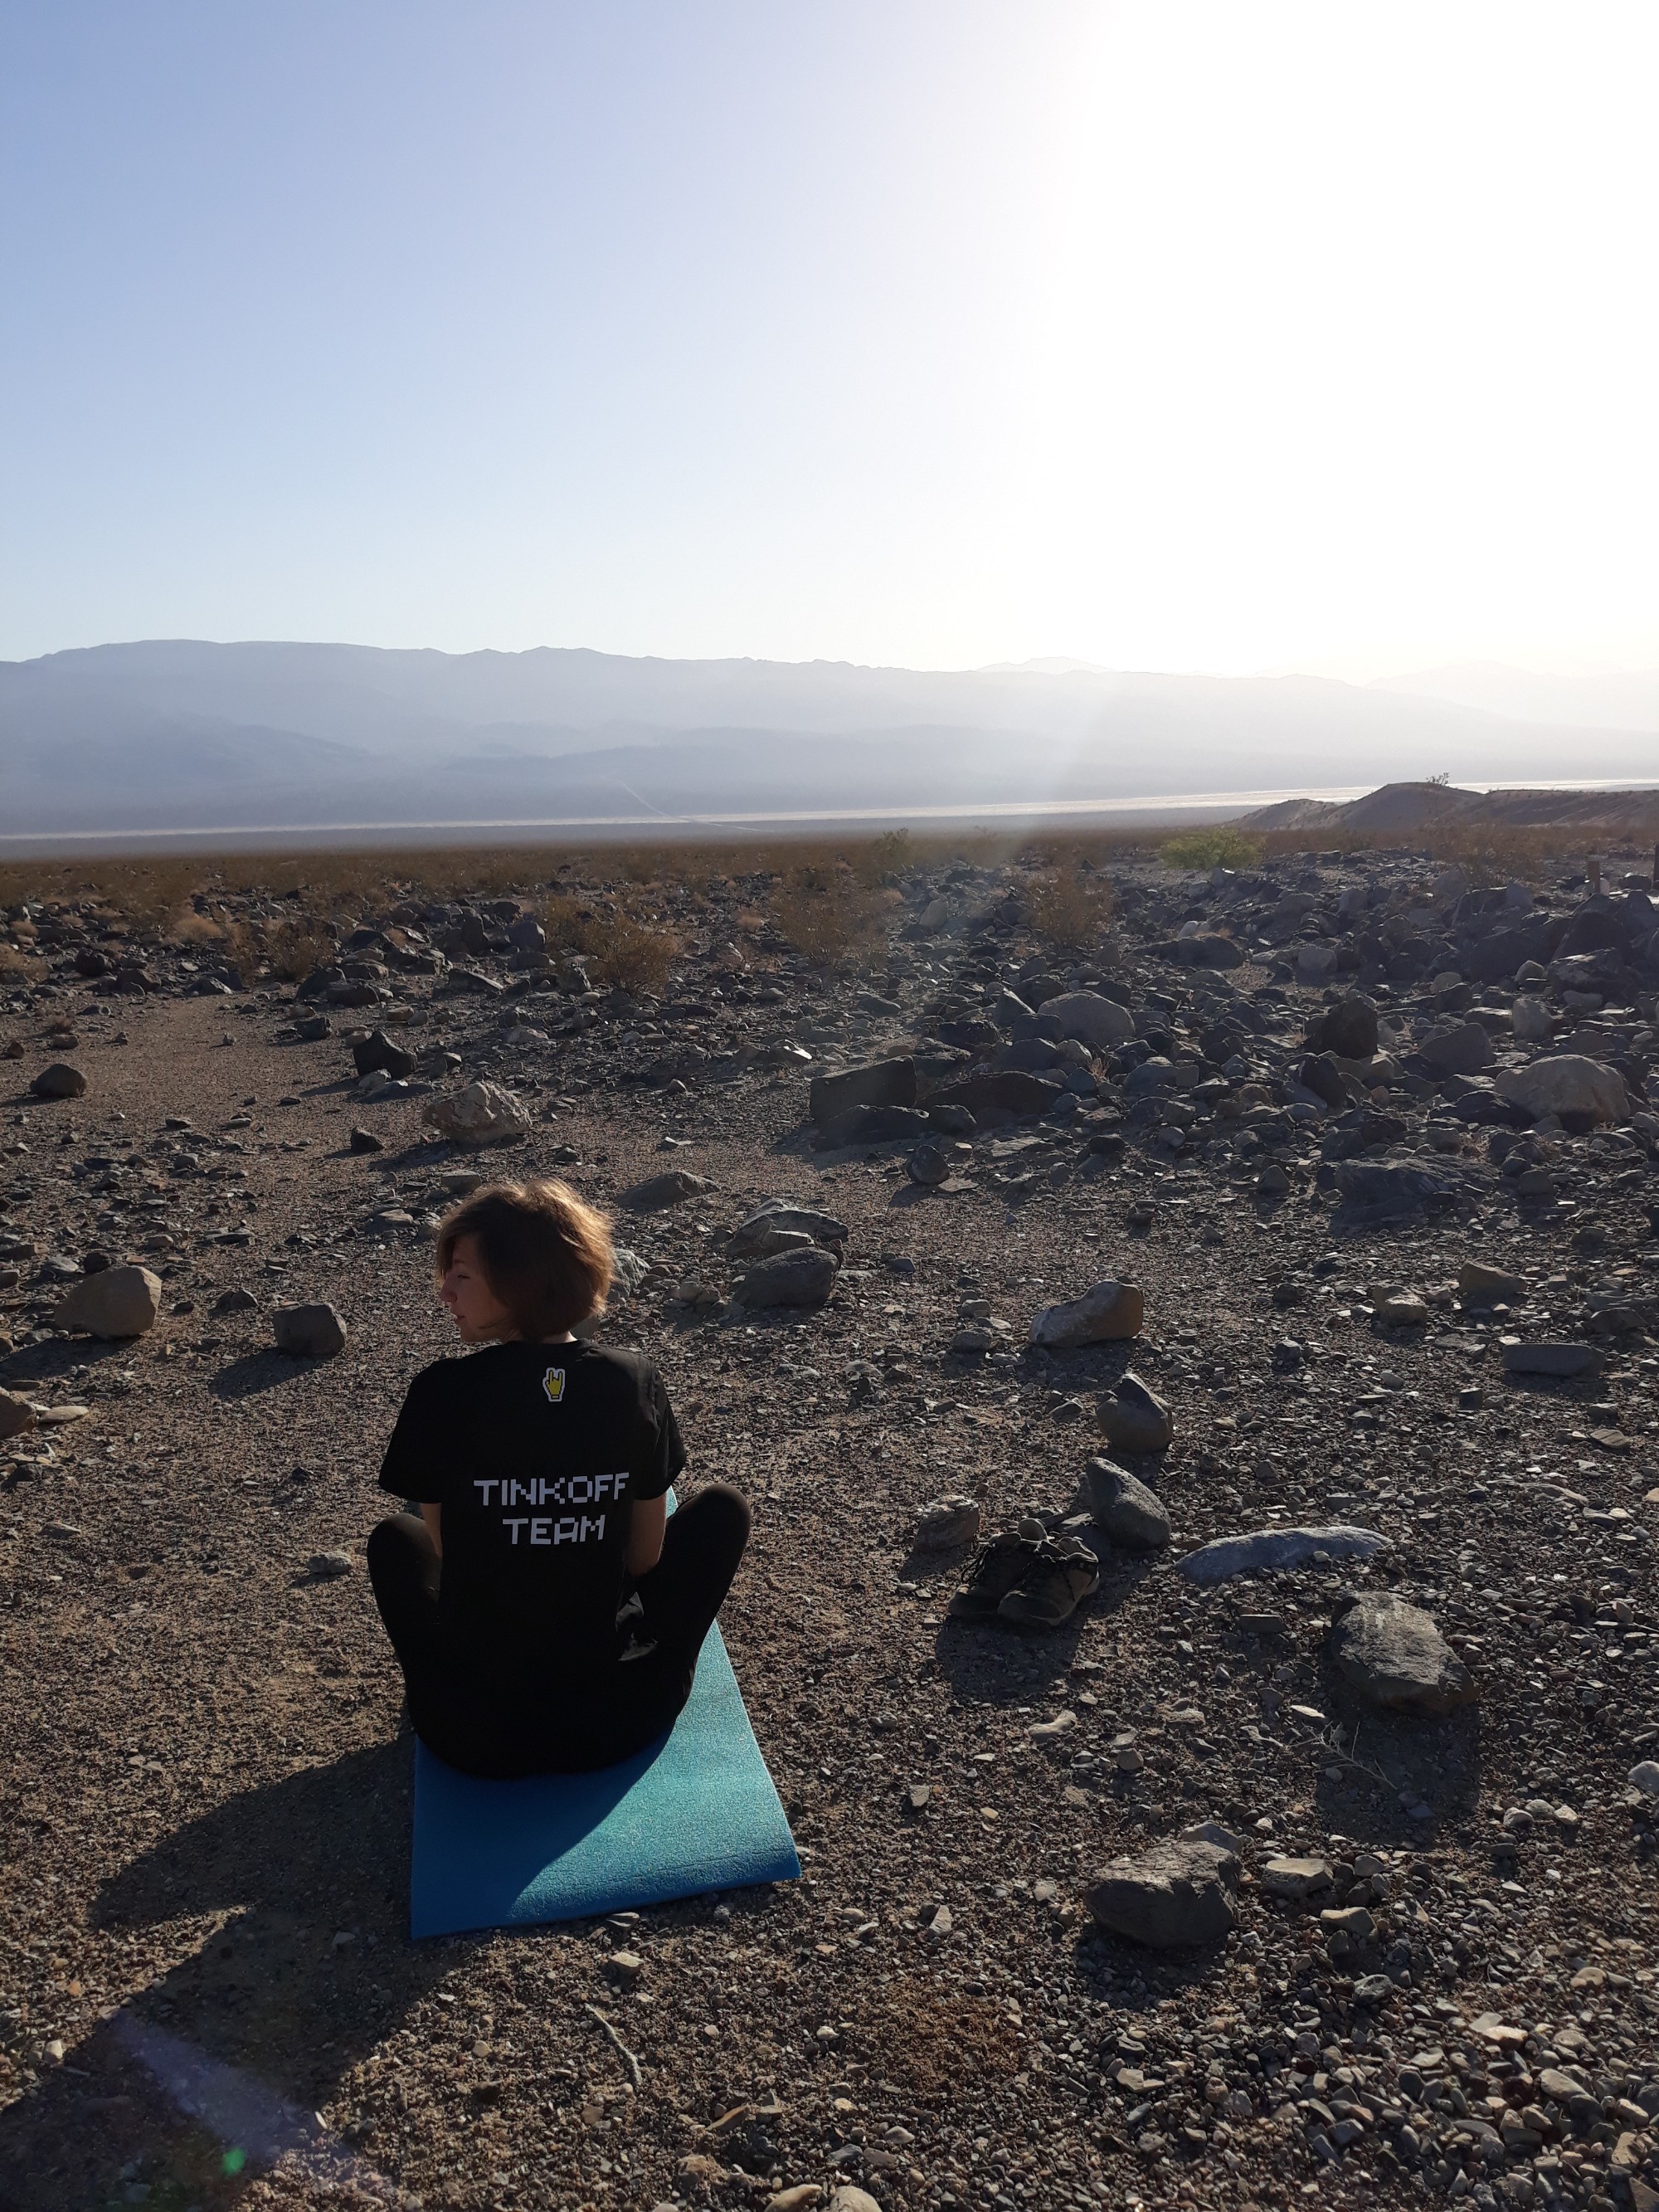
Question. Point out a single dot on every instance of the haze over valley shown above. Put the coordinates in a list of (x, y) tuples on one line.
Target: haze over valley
[(193, 735)]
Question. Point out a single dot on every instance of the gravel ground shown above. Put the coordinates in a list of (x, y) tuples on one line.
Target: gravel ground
[(208, 1994)]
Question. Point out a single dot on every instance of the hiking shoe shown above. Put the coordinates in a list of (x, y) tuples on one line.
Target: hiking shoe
[(999, 1566), (1057, 1579)]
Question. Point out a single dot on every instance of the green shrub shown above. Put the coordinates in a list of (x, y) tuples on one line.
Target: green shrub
[(1221, 847)]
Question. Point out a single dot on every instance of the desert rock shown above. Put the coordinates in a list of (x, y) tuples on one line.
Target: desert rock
[(1392, 1654), (61, 1080), (880, 1083), (308, 1332), (1135, 1419), (790, 1279), (1092, 1019), (1103, 1315), (481, 1114), (1265, 1548), (116, 1302), (947, 1523), (1558, 1359), (1348, 1028), (754, 1236), (1482, 1285), (1124, 1509), (658, 1192), (16, 1415), (1567, 1084), (1173, 1896)]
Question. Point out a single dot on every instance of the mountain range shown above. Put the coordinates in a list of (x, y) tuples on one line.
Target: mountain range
[(186, 734)]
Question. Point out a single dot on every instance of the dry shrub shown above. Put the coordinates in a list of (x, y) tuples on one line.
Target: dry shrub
[(570, 926), (294, 948), (14, 962), (1069, 907), (892, 853), (1504, 853), (829, 917), (631, 958)]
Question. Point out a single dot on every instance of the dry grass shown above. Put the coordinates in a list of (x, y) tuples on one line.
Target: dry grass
[(624, 906)]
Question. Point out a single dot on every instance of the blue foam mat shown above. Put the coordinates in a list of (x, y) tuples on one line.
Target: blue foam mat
[(695, 1811)]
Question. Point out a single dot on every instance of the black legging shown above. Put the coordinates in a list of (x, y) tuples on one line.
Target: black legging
[(633, 1702)]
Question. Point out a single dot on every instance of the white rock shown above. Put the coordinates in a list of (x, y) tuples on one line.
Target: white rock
[(1296, 1879), (1530, 1018), (1265, 1548), (1566, 1083), (1092, 1019), (947, 1523), (481, 1114)]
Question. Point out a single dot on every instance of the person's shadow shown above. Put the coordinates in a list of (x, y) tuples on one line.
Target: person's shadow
[(213, 2074)]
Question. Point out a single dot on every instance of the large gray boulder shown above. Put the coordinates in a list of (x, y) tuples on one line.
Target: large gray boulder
[(659, 1192), (1134, 1417), (1105, 1313), (1123, 1508), (1012, 1090), (1269, 1548), (1480, 1285), (377, 1051), (1349, 1029), (16, 1415), (116, 1302), (1390, 1190), (479, 1115), (1570, 1084), (1171, 1897), (755, 1235), (1561, 1360), (871, 1125), (1393, 1656), (881, 1082), (308, 1332), (61, 1080), (790, 1279), (1457, 1048), (1093, 1020)]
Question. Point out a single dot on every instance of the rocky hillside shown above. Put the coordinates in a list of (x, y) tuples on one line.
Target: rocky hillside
[(1408, 810)]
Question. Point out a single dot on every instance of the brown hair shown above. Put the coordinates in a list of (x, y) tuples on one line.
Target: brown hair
[(546, 1253)]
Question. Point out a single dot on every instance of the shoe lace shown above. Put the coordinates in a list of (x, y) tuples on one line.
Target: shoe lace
[(1029, 1536)]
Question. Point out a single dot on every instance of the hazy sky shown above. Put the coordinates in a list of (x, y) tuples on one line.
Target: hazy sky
[(931, 331)]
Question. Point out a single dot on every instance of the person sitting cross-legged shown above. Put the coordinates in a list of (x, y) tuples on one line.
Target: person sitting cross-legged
[(546, 1610)]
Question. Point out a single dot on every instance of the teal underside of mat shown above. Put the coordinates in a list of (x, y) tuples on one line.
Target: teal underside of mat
[(695, 1812)]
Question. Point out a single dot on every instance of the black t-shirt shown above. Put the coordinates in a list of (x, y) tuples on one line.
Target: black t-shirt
[(535, 1452)]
